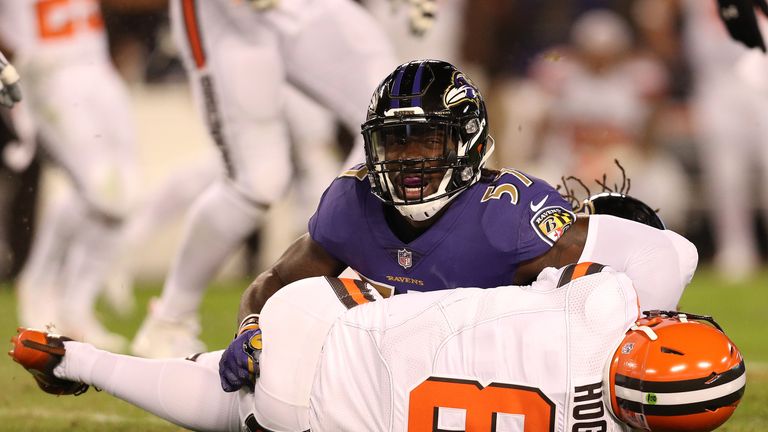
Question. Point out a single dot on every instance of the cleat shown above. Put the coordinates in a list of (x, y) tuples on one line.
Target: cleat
[(39, 352)]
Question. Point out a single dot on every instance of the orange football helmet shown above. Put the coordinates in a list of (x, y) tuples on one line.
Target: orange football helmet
[(673, 372)]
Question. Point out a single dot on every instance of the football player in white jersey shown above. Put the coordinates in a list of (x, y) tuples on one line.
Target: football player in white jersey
[(728, 106), (81, 111), (241, 57), (562, 354)]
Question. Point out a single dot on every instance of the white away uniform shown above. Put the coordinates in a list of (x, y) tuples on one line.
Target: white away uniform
[(533, 355)]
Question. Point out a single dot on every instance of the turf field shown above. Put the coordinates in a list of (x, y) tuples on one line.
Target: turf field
[(741, 309)]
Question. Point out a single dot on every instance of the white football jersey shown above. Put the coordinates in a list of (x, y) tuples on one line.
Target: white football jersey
[(53, 31), (503, 359)]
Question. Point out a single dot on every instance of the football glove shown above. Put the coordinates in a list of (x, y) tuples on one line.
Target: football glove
[(422, 16), (10, 92), (239, 364), (741, 22)]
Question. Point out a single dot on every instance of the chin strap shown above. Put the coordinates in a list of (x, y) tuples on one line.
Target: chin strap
[(424, 211)]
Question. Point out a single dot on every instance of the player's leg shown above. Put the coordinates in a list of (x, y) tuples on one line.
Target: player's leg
[(313, 134), (161, 206), (98, 132), (39, 284), (186, 393), (181, 391), (96, 249), (239, 81), (724, 148), (760, 149)]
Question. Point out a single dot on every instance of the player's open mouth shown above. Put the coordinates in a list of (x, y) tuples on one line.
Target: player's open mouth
[(414, 187)]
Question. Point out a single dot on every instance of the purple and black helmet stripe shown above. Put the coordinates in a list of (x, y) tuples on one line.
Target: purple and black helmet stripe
[(416, 88), (394, 101), (408, 83)]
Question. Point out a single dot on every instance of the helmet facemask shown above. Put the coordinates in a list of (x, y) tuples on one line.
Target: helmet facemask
[(420, 160)]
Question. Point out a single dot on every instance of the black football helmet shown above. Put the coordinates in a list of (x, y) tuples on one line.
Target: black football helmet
[(426, 137), (623, 206)]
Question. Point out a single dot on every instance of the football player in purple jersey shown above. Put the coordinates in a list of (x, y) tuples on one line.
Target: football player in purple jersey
[(423, 213)]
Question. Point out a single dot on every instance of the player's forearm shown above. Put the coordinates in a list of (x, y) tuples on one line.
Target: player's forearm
[(303, 259), (256, 295)]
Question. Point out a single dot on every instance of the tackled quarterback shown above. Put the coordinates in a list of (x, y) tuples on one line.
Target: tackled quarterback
[(567, 353)]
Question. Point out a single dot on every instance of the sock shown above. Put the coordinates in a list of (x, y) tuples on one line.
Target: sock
[(183, 392)]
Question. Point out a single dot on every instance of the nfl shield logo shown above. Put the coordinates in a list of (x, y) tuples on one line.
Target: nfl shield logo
[(627, 348), (404, 258)]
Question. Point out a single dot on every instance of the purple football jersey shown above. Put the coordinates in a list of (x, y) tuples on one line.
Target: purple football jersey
[(478, 242)]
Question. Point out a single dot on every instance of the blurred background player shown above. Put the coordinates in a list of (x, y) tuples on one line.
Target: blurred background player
[(80, 109), (604, 99), (241, 57), (729, 105)]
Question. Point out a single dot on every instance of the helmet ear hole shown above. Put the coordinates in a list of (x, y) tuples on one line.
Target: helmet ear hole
[(667, 350), (711, 378)]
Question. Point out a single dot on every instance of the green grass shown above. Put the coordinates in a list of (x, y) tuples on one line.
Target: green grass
[(742, 309), (23, 407)]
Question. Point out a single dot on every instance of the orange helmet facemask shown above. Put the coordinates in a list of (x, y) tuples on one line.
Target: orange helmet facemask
[(673, 372)]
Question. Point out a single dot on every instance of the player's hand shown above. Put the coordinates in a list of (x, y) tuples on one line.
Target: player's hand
[(422, 16), (239, 364), (262, 5), (741, 22), (10, 91)]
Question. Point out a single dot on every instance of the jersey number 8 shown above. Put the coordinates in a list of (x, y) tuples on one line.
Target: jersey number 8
[(482, 406)]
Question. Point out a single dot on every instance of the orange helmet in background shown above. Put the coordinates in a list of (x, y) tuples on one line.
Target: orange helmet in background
[(673, 372)]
